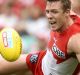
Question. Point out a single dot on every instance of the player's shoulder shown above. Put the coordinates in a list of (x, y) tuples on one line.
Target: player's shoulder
[(75, 38)]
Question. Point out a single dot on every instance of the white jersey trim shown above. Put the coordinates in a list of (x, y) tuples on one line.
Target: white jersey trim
[(49, 66)]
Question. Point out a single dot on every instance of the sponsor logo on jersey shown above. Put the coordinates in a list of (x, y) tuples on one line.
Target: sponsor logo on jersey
[(33, 58), (58, 52)]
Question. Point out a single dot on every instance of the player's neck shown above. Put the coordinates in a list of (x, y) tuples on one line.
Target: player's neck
[(67, 23)]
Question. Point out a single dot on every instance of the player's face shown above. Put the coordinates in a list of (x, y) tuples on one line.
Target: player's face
[(55, 15)]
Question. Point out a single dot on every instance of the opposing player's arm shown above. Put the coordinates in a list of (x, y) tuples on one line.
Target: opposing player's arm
[(74, 45), (10, 67)]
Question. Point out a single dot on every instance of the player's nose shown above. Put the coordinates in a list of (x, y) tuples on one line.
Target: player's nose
[(49, 16)]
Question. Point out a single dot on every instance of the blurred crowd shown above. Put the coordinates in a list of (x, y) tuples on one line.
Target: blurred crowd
[(29, 19)]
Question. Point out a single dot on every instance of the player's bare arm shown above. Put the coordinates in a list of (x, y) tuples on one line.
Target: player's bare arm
[(10, 67), (74, 45)]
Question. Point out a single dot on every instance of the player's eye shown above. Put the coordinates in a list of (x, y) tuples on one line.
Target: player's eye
[(47, 11), (54, 11)]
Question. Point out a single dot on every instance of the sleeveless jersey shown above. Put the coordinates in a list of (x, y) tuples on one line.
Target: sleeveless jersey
[(55, 60)]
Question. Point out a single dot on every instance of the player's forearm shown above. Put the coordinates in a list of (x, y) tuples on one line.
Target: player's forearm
[(9, 67)]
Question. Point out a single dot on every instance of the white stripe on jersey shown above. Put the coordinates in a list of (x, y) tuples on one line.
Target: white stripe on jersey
[(49, 66)]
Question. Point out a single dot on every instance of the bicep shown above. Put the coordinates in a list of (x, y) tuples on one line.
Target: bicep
[(74, 45), (9, 67)]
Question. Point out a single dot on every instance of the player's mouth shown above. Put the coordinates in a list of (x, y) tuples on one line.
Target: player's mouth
[(53, 24)]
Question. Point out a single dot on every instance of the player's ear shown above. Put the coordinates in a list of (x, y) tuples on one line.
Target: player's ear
[(67, 12)]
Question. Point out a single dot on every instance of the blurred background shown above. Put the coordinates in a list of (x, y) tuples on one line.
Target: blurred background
[(29, 19)]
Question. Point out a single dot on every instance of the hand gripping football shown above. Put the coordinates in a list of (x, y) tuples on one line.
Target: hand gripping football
[(10, 44)]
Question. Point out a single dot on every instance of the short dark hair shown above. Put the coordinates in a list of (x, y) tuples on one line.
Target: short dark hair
[(66, 3)]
